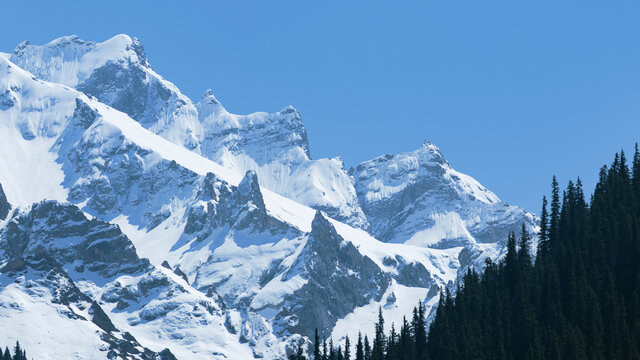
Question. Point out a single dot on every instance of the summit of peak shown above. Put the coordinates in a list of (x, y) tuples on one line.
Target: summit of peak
[(209, 98), (207, 93), (70, 60), (428, 147), (289, 109)]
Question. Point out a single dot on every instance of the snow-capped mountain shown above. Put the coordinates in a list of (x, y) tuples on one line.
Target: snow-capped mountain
[(118, 74), (230, 241), (418, 198)]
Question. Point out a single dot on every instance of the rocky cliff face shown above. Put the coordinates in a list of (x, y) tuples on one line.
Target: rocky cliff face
[(332, 269), (46, 252), (5, 207)]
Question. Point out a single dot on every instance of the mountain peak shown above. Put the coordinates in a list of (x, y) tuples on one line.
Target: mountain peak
[(209, 94), (322, 228), (432, 152), (209, 108), (249, 190), (209, 105), (70, 60), (289, 109)]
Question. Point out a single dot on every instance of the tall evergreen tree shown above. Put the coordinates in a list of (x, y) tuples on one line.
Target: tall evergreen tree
[(325, 354), (367, 348), (379, 339), (407, 344), (554, 220), (543, 235), (635, 181), (17, 351), (316, 346), (524, 252), (332, 350), (347, 348), (359, 348), (420, 330)]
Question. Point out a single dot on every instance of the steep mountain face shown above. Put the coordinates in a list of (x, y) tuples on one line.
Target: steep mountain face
[(327, 264), (235, 269), (48, 254), (118, 74), (418, 198), (4, 204)]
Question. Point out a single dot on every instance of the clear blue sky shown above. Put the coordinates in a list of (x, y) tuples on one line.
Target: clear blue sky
[(511, 91)]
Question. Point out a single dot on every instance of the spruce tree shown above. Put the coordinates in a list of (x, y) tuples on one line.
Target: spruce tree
[(420, 330), (554, 221), (635, 180), (325, 354), (511, 261), (367, 348), (17, 351), (347, 348), (316, 346), (359, 348), (407, 343), (332, 350), (543, 235), (524, 252), (379, 339)]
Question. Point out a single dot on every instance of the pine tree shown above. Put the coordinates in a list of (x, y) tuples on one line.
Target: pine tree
[(379, 340), (391, 352), (543, 235), (332, 350), (554, 221), (635, 182), (17, 352), (524, 252), (420, 330), (316, 346), (367, 348), (406, 342), (511, 261), (7, 354), (359, 348), (325, 354), (347, 348)]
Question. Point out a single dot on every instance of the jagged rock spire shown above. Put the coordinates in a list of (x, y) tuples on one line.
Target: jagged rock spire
[(249, 190), (5, 207)]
